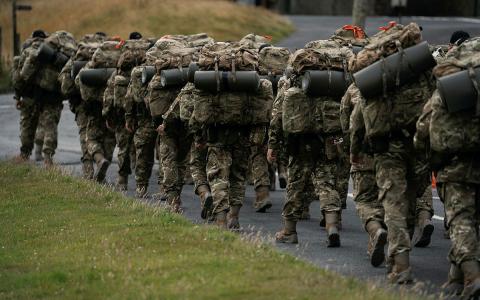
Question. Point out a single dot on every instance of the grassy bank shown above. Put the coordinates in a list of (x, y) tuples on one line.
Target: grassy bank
[(65, 238), (222, 19)]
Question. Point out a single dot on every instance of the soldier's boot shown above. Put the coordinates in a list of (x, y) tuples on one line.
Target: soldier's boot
[(206, 201), (288, 234), (160, 196), (38, 152), (102, 167), (262, 200), (232, 218), (400, 272), (22, 157), (454, 285), (282, 176), (376, 244), (423, 234), (220, 219), (471, 279), (48, 160), (331, 225), (344, 203), (122, 183), (175, 204), (322, 220), (141, 191), (305, 213), (87, 169)]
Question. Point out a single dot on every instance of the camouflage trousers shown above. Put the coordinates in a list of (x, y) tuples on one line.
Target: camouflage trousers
[(198, 166), (81, 118), (175, 155), (31, 114), (397, 188), (126, 149), (259, 166), (423, 177), (40, 133), (343, 177), (144, 140), (461, 207), (99, 138), (226, 171), (158, 156), (306, 165), (365, 196)]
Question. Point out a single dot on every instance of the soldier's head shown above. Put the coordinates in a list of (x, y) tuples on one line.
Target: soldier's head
[(458, 37), (135, 35), (39, 33)]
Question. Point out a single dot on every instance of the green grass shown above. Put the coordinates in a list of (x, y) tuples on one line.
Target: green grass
[(64, 238)]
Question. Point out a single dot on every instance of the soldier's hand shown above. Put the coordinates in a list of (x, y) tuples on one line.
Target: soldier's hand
[(271, 156), (161, 130), (18, 104), (129, 127)]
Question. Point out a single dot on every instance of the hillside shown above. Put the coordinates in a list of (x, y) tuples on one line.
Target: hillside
[(222, 19)]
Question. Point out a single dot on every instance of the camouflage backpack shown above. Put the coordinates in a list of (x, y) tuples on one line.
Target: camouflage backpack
[(175, 57), (254, 41), (321, 55), (21, 85), (158, 97), (350, 35), (133, 54), (120, 84), (162, 44), (45, 75), (398, 112), (273, 60), (107, 55), (192, 41), (304, 114), (234, 108), (386, 42), (227, 56), (456, 132), (136, 91), (84, 52)]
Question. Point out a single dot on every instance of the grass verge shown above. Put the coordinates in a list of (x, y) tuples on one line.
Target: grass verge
[(62, 237)]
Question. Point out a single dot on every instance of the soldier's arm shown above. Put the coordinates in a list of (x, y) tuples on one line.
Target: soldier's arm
[(108, 97), (346, 108), (275, 132), (357, 131)]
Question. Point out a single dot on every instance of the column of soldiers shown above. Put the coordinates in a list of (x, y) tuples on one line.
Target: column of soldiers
[(333, 110)]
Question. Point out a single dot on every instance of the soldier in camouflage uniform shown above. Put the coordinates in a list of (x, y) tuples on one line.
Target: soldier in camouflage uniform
[(365, 191), (100, 139), (175, 148), (139, 122), (391, 141), (308, 163), (452, 141), (36, 103), (114, 105), (86, 47)]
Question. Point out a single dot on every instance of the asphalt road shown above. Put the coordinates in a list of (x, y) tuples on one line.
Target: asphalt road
[(430, 266)]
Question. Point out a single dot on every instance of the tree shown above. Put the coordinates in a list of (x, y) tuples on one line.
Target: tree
[(361, 9)]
